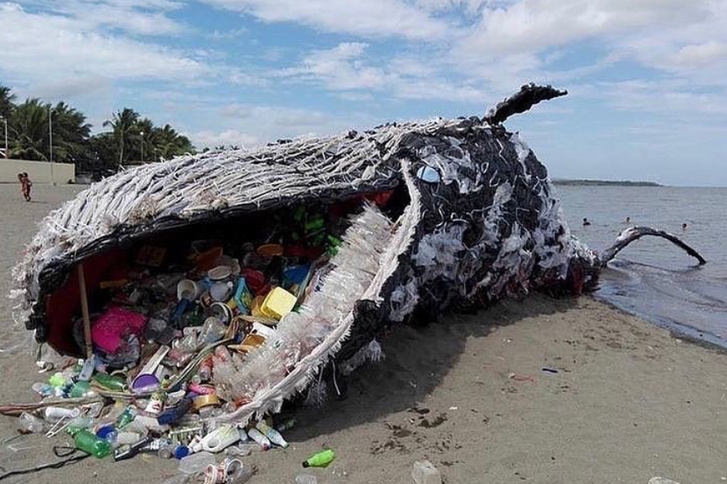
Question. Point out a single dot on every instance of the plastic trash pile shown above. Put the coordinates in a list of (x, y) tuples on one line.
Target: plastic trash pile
[(162, 323)]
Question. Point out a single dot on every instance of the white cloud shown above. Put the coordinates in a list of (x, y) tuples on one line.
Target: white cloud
[(38, 46), (346, 68), (532, 26), (700, 55), (132, 16), (227, 34), (251, 125), (367, 18), (227, 137), (340, 68), (674, 99)]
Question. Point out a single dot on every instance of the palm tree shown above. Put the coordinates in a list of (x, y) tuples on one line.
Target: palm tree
[(145, 135), (6, 102), (70, 133), (169, 143), (123, 124), (29, 128), (30, 132)]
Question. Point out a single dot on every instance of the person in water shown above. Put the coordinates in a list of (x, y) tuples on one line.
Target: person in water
[(586, 223), (628, 220), (25, 185), (684, 226)]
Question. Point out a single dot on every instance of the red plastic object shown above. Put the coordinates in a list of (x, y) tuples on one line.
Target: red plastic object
[(108, 331)]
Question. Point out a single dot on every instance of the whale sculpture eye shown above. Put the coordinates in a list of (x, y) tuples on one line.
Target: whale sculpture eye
[(429, 174)]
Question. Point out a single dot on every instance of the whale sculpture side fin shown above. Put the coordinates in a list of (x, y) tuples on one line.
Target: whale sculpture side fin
[(634, 233), (528, 96)]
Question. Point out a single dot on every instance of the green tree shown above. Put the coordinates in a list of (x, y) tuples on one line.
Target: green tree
[(31, 132), (70, 134), (143, 146), (6, 102), (123, 126), (103, 152), (29, 128), (169, 143)]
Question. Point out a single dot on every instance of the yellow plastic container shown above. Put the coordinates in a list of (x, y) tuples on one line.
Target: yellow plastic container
[(278, 303)]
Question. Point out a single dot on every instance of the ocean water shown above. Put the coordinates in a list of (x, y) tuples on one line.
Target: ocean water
[(653, 278)]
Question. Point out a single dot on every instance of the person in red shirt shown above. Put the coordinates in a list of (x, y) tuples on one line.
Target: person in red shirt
[(25, 185)]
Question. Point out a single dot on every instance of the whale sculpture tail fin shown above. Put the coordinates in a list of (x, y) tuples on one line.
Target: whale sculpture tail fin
[(528, 96), (634, 233)]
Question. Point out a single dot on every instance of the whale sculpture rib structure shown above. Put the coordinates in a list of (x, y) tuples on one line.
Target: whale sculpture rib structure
[(480, 222)]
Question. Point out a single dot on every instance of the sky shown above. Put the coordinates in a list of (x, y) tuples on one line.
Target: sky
[(647, 79)]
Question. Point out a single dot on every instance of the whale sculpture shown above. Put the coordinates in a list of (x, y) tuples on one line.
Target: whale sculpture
[(476, 220)]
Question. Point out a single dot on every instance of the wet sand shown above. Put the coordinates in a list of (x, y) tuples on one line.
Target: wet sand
[(628, 401)]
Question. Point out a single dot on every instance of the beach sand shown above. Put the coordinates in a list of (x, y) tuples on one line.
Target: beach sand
[(628, 401)]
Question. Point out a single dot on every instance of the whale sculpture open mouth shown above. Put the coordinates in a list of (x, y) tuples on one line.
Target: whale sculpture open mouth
[(469, 216)]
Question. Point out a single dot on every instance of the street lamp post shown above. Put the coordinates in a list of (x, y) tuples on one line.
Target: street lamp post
[(50, 134), (142, 146), (7, 153)]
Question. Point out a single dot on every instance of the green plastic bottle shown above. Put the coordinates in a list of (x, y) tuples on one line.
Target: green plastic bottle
[(90, 444), (126, 417), (321, 459), (79, 389), (110, 382)]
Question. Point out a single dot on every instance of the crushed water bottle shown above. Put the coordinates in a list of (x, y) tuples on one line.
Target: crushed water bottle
[(424, 472)]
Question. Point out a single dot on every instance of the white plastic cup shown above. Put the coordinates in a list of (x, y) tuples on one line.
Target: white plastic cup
[(188, 289)]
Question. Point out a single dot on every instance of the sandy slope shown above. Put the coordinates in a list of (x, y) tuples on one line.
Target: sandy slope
[(629, 402)]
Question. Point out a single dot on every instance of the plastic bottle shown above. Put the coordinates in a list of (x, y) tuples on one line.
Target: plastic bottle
[(79, 423), (108, 432), (196, 462), (87, 369), (220, 438), (54, 414), (127, 438), (258, 437), (90, 444), (30, 424), (286, 424), (80, 389), (57, 380), (43, 389), (129, 451), (126, 417), (321, 459), (273, 435), (424, 472), (110, 382)]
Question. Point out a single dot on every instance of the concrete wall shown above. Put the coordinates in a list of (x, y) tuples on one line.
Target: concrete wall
[(38, 171)]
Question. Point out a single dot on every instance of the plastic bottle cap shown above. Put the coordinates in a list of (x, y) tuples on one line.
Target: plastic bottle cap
[(181, 451)]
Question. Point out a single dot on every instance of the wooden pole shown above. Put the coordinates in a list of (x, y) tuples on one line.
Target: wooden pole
[(84, 311)]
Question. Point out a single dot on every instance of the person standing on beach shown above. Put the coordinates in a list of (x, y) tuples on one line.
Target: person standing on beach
[(25, 185)]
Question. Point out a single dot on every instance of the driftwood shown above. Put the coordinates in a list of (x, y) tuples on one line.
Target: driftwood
[(15, 409)]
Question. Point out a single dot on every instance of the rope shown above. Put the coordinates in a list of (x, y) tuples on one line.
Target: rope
[(53, 465)]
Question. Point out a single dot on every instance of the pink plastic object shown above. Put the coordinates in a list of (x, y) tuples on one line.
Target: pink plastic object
[(109, 329)]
